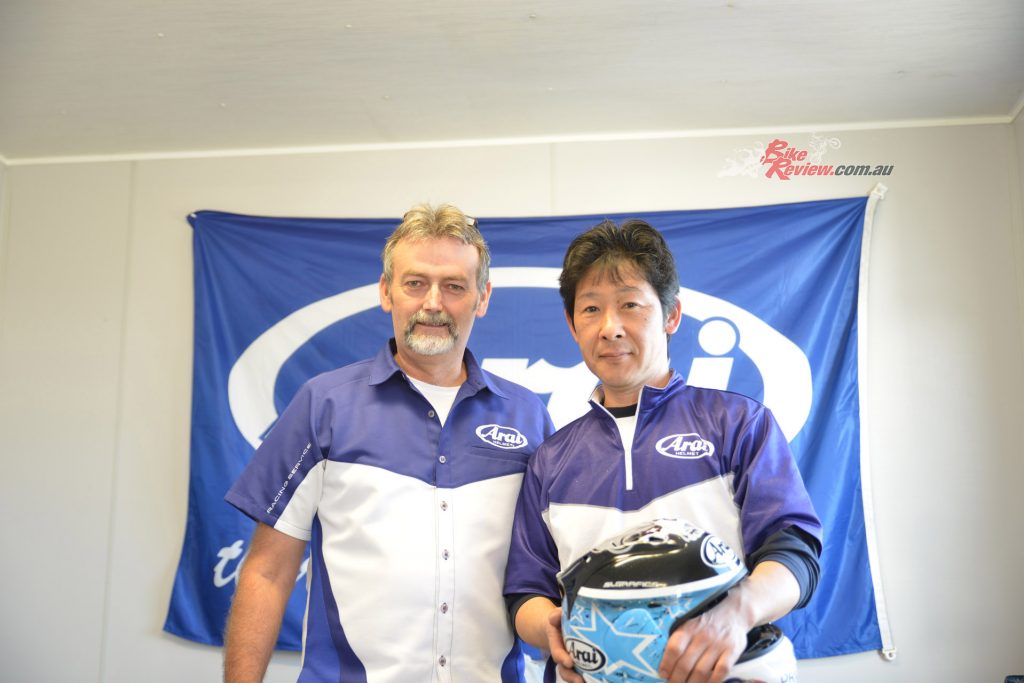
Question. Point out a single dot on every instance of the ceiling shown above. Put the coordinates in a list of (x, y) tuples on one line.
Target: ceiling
[(142, 77)]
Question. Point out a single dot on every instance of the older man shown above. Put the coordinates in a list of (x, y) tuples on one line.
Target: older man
[(400, 472)]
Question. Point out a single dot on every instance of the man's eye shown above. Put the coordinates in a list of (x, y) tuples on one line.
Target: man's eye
[(413, 283), (456, 287), (589, 309)]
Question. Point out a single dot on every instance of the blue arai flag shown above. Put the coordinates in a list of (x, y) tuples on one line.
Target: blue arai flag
[(770, 300)]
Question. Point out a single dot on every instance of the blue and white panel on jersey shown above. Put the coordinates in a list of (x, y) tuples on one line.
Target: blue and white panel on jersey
[(709, 505), (433, 553), (483, 526), (297, 517), (378, 545)]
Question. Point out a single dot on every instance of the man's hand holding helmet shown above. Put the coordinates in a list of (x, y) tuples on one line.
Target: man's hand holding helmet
[(669, 601)]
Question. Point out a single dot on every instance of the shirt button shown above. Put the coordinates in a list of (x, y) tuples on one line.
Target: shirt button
[(442, 460), (430, 413), (444, 554), (444, 505), (441, 660), (444, 608)]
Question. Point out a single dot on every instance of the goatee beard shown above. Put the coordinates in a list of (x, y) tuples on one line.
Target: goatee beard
[(431, 344)]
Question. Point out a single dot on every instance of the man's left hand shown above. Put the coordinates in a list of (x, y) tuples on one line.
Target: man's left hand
[(704, 648)]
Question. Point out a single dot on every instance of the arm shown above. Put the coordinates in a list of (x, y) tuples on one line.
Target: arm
[(703, 649), (539, 623), (265, 583)]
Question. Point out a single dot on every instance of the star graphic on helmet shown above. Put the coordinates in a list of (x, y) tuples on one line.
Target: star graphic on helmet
[(623, 640)]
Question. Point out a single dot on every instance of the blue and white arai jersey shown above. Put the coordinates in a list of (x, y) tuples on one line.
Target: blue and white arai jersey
[(408, 520), (713, 458)]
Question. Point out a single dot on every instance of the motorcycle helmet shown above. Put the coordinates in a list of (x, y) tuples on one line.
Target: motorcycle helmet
[(623, 599)]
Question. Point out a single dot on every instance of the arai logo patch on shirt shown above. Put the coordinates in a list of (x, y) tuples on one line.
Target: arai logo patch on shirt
[(686, 446), (501, 436)]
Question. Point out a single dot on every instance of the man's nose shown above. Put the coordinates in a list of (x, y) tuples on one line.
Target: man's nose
[(432, 300), (611, 325)]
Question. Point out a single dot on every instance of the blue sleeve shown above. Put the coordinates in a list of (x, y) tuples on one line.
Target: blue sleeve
[(770, 491), (799, 553), (533, 557), (549, 426), (284, 459)]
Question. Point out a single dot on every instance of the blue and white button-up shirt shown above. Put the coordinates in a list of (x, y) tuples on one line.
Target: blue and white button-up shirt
[(409, 521)]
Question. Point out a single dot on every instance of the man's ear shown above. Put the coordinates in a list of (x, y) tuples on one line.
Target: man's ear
[(385, 295), (485, 300), (572, 327), (675, 316)]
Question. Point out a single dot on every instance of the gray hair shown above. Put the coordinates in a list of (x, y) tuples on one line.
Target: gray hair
[(424, 222)]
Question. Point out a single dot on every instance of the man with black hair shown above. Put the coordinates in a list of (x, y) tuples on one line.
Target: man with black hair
[(653, 446)]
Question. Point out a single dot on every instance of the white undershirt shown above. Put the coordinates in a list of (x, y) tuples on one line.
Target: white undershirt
[(627, 428), (441, 398)]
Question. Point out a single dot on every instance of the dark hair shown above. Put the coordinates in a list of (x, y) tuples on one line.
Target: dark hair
[(608, 247)]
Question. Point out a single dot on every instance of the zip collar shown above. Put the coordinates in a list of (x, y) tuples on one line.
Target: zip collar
[(649, 398)]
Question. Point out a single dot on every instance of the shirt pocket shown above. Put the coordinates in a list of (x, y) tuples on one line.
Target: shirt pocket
[(496, 462)]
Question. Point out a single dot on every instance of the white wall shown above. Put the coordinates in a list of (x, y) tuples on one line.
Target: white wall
[(95, 362), (3, 225), (1018, 136), (60, 358)]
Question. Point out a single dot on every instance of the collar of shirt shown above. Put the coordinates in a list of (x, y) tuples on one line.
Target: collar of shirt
[(383, 367), (650, 397)]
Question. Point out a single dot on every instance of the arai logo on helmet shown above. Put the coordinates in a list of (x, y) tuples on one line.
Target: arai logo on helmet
[(716, 553), (502, 437), (686, 446), (587, 657)]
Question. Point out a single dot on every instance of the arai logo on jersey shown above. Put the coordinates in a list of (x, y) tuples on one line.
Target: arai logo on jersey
[(586, 656), (686, 446), (502, 437)]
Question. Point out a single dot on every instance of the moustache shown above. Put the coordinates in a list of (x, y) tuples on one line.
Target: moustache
[(424, 318)]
